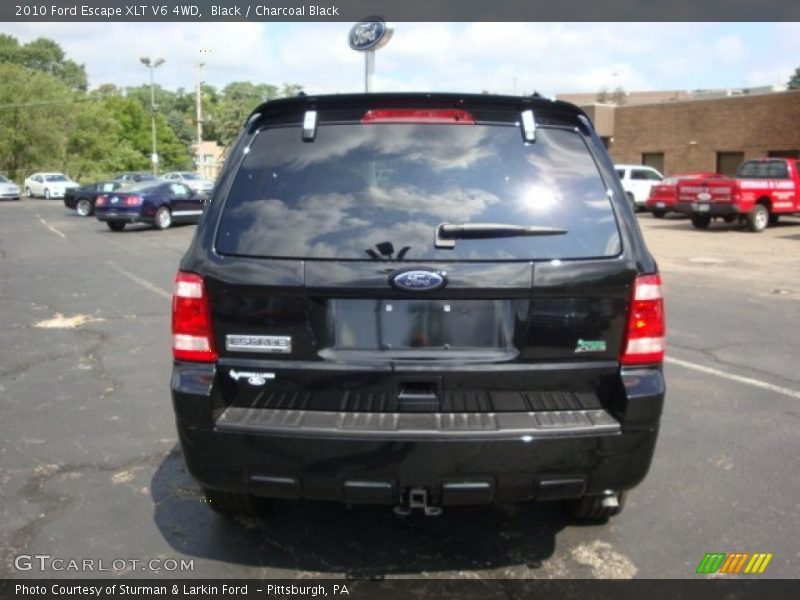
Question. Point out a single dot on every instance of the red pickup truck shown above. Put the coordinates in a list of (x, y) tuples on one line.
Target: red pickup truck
[(758, 194)]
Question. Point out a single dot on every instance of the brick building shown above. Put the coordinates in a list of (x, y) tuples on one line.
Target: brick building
[(702, 132)]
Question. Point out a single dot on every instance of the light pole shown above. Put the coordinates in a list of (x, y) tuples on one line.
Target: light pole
[(199, 111), (152, 65)]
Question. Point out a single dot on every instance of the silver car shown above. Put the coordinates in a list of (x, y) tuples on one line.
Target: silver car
[(191, 179), (8, 189)]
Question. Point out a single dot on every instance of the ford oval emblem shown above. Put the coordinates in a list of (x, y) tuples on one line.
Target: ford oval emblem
[(367, 34), (418, 281)]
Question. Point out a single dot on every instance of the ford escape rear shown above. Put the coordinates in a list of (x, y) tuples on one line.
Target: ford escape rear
[(420, 301)]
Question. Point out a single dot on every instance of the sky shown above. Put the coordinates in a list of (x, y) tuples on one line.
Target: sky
[(517, 58)]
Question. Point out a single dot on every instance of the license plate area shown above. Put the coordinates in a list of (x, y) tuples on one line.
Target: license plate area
[(424, 324)]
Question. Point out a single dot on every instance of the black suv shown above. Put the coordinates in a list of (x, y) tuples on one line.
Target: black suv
[(418, 300)]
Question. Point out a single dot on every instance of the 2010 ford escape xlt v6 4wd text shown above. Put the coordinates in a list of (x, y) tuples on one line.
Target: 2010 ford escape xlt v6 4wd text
[(418, 300)]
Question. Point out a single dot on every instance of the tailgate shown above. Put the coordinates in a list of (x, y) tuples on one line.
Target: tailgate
[(339, 337), (711, 190)]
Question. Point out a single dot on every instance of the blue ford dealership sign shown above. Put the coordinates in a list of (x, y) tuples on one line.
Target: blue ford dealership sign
[(367, 34)]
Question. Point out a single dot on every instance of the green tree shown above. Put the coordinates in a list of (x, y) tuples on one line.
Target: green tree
[(96, 147), (31, 120), (794, 80), (134, 121), (45, 56)]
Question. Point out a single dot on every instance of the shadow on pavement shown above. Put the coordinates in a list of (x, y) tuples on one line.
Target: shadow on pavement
[(360, 542)]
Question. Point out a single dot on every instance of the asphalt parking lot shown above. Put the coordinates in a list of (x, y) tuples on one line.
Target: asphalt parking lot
[(90, 466)]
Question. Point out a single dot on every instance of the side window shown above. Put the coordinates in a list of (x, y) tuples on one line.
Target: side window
[(638, 174), (38, 179), (653, 176), (621, 173)]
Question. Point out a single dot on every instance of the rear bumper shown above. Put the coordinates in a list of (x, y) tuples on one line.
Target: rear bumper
[(121, 217), (715, 209), (659, 205), (458, 458)]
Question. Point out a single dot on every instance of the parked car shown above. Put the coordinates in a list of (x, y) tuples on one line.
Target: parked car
[(390, 300), (761, 191), (8, 189), (193, 180), (48, 185), (637, 181), (158, 203), (664, 195), (82, 199), (135, 176)]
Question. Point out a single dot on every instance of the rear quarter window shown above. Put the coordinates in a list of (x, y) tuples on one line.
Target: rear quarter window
[(357, 187)]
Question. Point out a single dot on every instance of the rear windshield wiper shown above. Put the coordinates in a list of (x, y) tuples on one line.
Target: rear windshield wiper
[(448, 233)]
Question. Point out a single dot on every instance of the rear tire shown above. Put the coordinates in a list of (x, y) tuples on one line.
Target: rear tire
[(590, 509), (84, 207), (46, 194), (758, 218), (230, 503), (115, 225), (28, 192), (700, 221), (163, 218), (659, 214)]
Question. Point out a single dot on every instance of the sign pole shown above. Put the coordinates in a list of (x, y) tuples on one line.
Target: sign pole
[(369, 70)]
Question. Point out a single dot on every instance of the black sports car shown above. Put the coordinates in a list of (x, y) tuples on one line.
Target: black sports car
[(82, 199)]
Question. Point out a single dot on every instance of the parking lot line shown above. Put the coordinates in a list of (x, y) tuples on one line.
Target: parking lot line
[(142, 282), (733, 377), (51, 228)]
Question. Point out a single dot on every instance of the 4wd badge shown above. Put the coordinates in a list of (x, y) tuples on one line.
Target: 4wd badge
[(590, 346)]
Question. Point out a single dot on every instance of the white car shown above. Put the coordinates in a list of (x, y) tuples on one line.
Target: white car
[(191, 179), (48, 185), (637, 181), (8, 189)]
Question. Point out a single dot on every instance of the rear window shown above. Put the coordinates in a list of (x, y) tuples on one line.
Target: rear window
[(645, 174), (763, 169), (358, 190)]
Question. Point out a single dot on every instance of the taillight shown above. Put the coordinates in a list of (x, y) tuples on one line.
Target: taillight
[(132, 200), (450, 116), (645, 342), (191, 320), (100, 200)]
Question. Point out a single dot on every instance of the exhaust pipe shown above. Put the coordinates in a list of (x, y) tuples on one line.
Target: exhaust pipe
[(610, 499)]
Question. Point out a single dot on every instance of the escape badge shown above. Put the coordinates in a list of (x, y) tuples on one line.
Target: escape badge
[(590, 346)]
